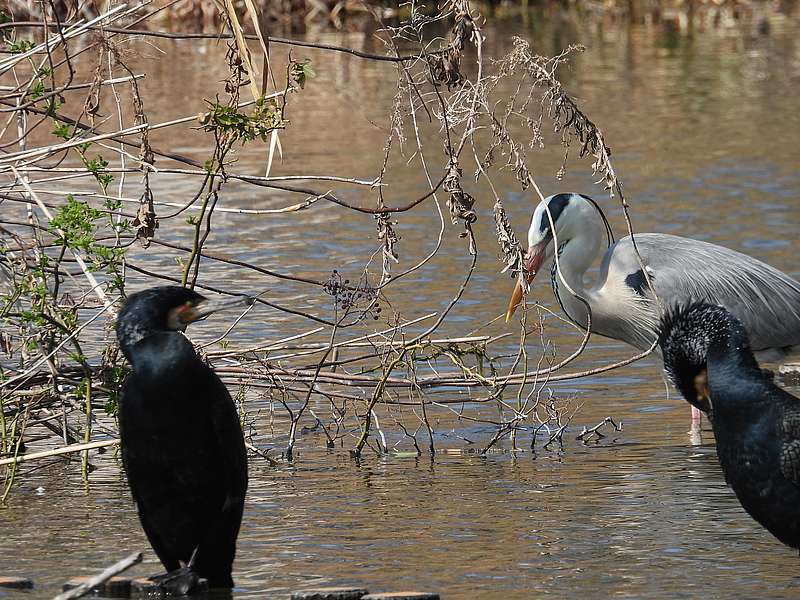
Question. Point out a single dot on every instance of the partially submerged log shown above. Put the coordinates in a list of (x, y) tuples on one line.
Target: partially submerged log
[(116, 587), (402, 596), (89, 584), (18, 583), (330, 593)]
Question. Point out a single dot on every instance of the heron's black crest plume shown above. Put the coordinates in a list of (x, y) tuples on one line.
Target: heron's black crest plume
[(609, 231), (554, 207), (558, 202)]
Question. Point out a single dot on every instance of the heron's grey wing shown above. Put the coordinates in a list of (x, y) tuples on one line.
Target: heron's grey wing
[(764, 299)]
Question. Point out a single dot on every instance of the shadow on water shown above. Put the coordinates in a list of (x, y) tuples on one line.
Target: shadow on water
[(705, 134)]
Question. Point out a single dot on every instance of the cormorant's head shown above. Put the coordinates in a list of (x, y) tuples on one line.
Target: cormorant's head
[(166, 308), (687, 335), (566, 214)]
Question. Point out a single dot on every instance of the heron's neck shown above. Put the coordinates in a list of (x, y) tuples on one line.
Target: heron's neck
[(575, 258)]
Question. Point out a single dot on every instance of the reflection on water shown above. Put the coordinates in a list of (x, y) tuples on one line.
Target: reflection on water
[(704, 130), (640, 520)]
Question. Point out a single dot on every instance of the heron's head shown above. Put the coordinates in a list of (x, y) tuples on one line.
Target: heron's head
[(687, 336), (557, 219), (166, 308)]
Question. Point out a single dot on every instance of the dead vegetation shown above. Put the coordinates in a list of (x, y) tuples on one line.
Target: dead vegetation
[(82, 221)]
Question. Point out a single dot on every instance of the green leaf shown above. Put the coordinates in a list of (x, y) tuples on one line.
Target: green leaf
[(301, 71), (20, 46), (62, 131), (37, 91)]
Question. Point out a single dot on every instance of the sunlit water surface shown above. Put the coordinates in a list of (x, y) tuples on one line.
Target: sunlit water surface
[(705, 131)]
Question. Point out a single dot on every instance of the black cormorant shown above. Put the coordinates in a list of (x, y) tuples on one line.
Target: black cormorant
[(756, 424), (182, 443)]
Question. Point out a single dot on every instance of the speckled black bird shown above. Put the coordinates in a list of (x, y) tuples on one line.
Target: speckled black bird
[(756, 424), (182, 444)]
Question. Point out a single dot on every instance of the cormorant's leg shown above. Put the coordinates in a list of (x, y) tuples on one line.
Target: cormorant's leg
[(216, 550)]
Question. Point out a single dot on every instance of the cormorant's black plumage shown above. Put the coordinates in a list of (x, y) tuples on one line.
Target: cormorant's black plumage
[(182, 444), (756, 424)]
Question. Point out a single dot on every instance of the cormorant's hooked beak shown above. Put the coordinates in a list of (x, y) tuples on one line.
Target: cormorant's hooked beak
[(533, 260), (189, 313)]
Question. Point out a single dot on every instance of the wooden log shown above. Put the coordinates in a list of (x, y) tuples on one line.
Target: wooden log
[(330, 593), (119, 587), (402, 596), (98, 580), (18, 583)]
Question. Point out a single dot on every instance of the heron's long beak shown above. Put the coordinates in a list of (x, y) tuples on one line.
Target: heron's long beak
[(533, 260), (202, 309)]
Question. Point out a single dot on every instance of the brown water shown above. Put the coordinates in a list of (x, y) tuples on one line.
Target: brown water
[(705, 130)]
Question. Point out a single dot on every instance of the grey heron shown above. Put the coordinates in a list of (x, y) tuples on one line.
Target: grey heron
[(681, 270)]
